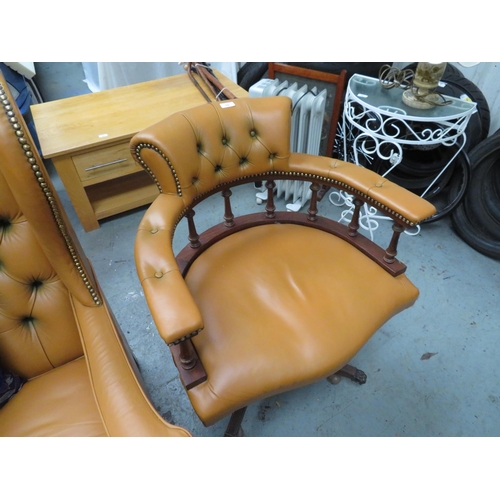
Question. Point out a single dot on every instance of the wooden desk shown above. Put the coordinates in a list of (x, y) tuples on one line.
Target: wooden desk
[(87, 137)]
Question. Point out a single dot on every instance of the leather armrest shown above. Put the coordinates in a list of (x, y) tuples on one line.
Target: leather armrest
[(174, 311), (383, 193), (125, 408)]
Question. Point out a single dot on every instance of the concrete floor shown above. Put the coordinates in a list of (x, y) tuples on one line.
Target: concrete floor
[(456, 392)]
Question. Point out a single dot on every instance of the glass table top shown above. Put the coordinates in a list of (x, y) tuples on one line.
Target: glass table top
[(369, 92)]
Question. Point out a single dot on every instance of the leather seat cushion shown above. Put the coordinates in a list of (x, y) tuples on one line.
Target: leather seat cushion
[(58, 403), (283, 306)]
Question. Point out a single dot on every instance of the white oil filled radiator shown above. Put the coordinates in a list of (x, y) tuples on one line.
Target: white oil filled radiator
[(308, 107)]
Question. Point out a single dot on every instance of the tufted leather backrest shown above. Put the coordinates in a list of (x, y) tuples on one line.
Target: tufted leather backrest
[(37, 326), (230, 140), (40, 261)]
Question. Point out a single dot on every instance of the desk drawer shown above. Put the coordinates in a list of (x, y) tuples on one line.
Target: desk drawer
[(106, 163)]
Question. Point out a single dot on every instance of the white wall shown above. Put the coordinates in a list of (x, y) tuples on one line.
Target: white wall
[(487, 78)]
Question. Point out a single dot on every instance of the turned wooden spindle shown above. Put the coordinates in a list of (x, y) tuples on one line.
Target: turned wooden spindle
[(194, 239), (270, 208), (188, 363), (322, 192), (313, 206), (187, 356), (354, 224), (228, 213), (391, 251)]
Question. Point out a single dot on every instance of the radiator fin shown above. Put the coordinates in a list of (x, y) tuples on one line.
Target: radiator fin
[(307, 123)]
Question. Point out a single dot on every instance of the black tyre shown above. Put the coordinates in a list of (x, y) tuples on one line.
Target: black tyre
[(473, 232), (453, 194), (414, 173), (250, 73), (472, 235), (418, 185), (448, 191), (425, 162), (451, 71), (482, 204), (478, 127), (479, 203), (454, 84)]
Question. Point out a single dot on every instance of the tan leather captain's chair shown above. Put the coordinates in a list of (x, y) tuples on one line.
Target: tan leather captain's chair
[(56, 331), (262, 303)]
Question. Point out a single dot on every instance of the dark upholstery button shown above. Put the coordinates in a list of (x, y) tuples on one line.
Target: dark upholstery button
[(36, 284), (4, 223), (224, 141), (253, 133)]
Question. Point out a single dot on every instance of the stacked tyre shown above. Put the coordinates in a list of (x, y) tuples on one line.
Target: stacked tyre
[(424, 180), (454, 84), (420, 166), (477, 219)]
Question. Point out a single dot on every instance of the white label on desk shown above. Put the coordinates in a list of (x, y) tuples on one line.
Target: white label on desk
[(362, 95), (102, 136), (227, 104)]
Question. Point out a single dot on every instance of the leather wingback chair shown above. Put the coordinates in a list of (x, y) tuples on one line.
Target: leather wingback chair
[(56, 330), (262, 303)]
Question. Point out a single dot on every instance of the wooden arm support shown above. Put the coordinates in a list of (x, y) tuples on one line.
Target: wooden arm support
[(188, 363)]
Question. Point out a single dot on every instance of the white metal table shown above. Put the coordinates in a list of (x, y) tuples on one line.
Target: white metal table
[(376, 122)]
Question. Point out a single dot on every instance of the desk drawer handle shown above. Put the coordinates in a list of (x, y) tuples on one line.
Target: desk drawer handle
[(95, 167)]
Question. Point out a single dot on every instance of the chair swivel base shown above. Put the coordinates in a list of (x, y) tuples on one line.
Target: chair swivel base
[(234, 428), (350, 372)]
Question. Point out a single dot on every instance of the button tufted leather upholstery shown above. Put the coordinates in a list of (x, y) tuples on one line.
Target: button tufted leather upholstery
[(218, 145), (268, 303), (55, 328)]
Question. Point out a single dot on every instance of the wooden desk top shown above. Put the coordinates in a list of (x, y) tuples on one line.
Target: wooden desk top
[(91, 120)]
